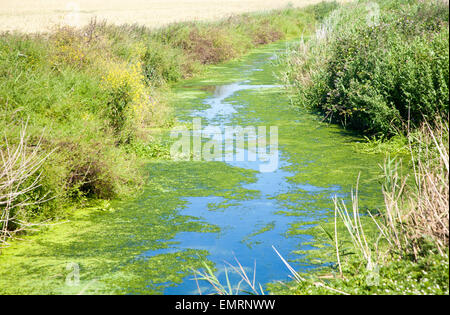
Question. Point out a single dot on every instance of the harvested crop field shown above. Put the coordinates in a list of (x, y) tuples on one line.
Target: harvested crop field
[(42, 15)]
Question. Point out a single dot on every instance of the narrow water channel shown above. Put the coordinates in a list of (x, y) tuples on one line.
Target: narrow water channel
[(192, 212)]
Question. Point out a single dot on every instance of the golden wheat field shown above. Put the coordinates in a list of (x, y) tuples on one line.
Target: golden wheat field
[(41, 15)]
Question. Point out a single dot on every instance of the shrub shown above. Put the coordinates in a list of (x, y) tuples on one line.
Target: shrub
[(208, 45), (128, 100), (379, 79), (266, 33), (323, 9), (87, 173), (162, 64), (374, 86)]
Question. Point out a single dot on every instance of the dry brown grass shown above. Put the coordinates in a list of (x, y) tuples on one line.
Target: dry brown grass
[(417, 211), (19, 176), (429, 215), (42, 15)]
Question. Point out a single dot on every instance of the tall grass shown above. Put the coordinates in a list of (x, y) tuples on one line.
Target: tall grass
[(246, 284), (416, 216), (426, 218), (414, 226)]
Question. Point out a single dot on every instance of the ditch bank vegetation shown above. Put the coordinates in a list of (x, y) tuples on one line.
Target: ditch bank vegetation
[(78, 107), (381, 68)]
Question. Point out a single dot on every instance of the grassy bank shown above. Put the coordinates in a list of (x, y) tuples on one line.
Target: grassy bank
[(78, 106), (381, 68)]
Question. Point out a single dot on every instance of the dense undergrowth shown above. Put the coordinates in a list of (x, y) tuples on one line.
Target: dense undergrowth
[(382, 68), (377, 67), (85, 101)]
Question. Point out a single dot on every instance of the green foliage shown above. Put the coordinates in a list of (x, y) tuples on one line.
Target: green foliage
[(152, 150), (428, 276), (118, 100), (396, 145), (323, 9), (162, 64), (382, 78)]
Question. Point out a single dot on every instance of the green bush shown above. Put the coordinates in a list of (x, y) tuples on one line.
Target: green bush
[(162, 64), (379, 79), (323, 9)]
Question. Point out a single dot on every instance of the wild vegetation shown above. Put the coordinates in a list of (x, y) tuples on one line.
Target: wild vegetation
[(377, 67)]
